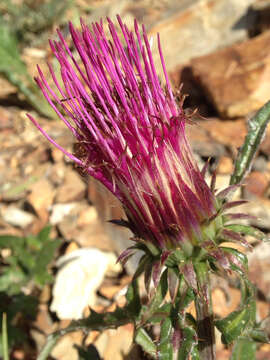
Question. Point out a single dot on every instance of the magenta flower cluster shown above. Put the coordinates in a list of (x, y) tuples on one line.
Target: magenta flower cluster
[(131, 132)]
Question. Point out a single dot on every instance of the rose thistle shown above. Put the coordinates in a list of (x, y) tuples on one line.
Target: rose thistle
[(131, 135)]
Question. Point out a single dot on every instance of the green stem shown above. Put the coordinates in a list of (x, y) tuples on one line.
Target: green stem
[(97, 322), (5, 337), (204, 314), (50, 343), (256, 130)]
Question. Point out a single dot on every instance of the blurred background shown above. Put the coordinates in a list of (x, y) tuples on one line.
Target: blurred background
[(57, 249)]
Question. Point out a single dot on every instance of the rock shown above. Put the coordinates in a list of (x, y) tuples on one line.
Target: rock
[(67, 228), (17, 217), (45, 294), (265, 145), (87, 216), (6, 229), (225, 165), (57, 155), (262, 310), (117, 342), (259, 268), (256, 184), (72, 246), (80, 275), (109, 291), (5, 118), (94, 236), (12, 189), (188, 28), (60, 211), (198, 27), (224, 132), (41, 198), (260, 164), (82, 225), (43, 321), (65, 349), (225, 303), (6, 88), (236, 79), (201, 141), (260, 208), (57, 173), (73, 188)]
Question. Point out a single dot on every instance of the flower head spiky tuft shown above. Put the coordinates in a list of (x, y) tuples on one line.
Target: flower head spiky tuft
[(131, 136)]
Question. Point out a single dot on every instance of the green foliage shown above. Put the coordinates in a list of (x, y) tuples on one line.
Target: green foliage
[(241, 259), (28, 261), (17, 26), (188, 344), (32, 17), (144, 340), (244, 349), (165, 347), (18, 308), (247, 230), (14, 70), (25, 266)]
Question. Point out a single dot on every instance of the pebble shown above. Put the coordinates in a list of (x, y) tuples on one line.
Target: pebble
[(17, 217), (60, 211)]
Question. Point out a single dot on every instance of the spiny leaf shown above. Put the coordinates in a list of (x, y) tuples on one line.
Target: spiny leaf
[(236, 258), (188, 343), (133, 306), (247, 230), (233, 325), (158, 298), (256, 131), (259, 335), (165, 347), (143, 339), (244, 349)]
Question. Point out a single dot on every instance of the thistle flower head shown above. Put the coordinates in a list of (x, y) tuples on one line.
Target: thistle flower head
[(131, 133)]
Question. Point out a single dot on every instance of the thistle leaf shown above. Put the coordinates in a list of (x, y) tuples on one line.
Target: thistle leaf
[(247, 230), (158, 298), (256, 130), (144, 340), (165, 348), (133, 306), (233, 325), (188, 343), (244, 349)]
